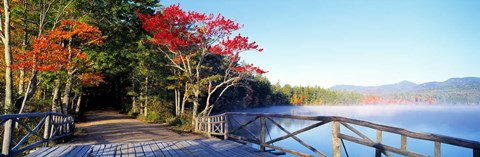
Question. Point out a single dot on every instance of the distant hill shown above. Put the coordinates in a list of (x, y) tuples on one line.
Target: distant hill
[(455, 90), (383, 89)]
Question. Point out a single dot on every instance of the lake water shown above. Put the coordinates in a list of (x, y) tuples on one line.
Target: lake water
[(456, 121)]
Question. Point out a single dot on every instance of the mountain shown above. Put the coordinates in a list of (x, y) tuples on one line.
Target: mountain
[(383, 89), (452, 91)]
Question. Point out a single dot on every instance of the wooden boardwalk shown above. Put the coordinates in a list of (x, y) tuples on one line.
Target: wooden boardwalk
[(183, 148)]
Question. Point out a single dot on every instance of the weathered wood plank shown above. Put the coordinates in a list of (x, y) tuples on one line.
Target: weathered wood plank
[(130, 150), (198, 147), (96, 149), (138, 150), (147, 149), (169, 149), (73, 151), (164, 149), (39, 151), (404, 143), (60, 150), (156, 150)]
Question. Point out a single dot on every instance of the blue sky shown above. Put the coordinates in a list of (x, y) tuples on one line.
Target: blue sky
[(329, 42)]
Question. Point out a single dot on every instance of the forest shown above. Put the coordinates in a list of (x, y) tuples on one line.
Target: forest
[(160, 63)]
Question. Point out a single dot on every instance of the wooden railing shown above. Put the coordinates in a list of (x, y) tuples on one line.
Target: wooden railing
[(219, 125), (42, 127)]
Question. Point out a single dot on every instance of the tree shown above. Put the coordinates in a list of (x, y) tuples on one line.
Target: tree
[(60, 50), (187, 38), (5, 36)]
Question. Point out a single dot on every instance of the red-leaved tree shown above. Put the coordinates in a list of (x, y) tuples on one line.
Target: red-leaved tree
[(189, 38), (59, 50)]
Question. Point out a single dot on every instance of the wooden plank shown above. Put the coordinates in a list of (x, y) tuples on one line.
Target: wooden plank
[(221, 148), (196, 146), (233, 149), (123, 150), (39, 151), (103, 149), (109, 150), (176, 148), (75, 150), (164, 149), (131, 150), (84, 151), (147, 149), (96, 149), (168, 148), (138, 150), (380, 146), (60, 150), (187, 149), (157, 151)]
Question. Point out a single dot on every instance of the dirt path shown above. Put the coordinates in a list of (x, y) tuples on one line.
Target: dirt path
[(112, 127)]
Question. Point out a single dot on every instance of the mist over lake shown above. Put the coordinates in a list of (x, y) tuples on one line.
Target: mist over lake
[(459, 121)]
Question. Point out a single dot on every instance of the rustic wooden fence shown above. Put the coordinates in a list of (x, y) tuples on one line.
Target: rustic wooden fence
[(222, 125), (22, 132)]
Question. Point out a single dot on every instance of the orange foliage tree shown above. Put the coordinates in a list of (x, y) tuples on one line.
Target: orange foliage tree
[(60, 50)]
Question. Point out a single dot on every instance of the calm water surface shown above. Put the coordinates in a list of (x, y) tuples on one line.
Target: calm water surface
[(457, 121)]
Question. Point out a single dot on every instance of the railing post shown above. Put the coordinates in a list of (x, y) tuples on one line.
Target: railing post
[(225, 125), (476, 153), (378, 153), (438, 149), (47, 127), (262, 133), (8, 127), (209, 126), (336, 152)]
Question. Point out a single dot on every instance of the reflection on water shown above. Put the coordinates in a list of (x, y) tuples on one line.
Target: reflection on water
[(456, 121)]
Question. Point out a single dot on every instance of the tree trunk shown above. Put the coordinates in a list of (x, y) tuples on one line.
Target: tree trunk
[(31, 88), (141, 104), (185, 98), (134, 104), (8, 59), (21, 80), (24, 47), (146, 97), (177, 102), (79, 101), (66, 94), (56, 107)]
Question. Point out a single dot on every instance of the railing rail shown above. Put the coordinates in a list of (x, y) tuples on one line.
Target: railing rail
[(219, 125), (55, 126)]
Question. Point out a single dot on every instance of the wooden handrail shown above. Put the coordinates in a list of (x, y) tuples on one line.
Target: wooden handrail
[(55, 126), (213, 122)]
